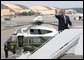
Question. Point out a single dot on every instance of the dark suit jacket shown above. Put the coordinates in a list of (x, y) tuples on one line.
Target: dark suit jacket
[(61, 24)]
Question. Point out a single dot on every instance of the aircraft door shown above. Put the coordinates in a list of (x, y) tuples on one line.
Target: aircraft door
[(20, 41)]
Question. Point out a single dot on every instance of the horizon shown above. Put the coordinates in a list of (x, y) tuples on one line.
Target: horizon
[(59, 4)]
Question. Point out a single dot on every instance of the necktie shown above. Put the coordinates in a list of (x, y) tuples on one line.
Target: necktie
[(65, 19)]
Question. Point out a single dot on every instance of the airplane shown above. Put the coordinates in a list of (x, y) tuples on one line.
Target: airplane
[(31, 37), (79, 16), (28, 39)]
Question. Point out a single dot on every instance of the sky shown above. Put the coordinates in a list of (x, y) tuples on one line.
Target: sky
[(60, 4)]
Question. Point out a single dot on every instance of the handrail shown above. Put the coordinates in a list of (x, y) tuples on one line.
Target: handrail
[(76, 37)]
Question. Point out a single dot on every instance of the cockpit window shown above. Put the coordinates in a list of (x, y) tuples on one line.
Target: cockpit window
[(39, 31)]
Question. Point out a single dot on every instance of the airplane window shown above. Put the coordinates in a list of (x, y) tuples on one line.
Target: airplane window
[(31, 43), (39, 31)]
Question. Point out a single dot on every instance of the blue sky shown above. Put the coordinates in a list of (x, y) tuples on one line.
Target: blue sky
[(60, 4)]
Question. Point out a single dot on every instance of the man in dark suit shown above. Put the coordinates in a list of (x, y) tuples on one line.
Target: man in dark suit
[(63, 21)]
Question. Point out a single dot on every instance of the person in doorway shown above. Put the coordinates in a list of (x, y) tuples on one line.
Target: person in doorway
[(6, 50), (80, 18), (64, 20)]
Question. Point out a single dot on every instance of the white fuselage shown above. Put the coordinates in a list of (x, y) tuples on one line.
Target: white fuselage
[(44, 27)]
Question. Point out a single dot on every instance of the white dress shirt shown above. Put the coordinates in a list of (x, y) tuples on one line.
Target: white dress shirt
[(65, 19)]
